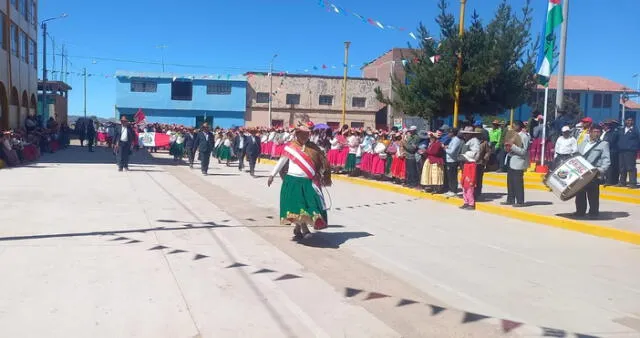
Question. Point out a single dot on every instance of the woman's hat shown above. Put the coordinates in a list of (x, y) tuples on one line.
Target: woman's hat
[(306, 127)]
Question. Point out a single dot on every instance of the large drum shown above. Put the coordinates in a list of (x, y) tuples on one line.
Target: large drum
[(571, 177)]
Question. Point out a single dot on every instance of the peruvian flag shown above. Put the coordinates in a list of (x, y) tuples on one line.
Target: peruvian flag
[(153, 140), (139, 117)]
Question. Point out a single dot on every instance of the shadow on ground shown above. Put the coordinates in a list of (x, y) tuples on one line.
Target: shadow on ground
[(604, 216), (332, 240)]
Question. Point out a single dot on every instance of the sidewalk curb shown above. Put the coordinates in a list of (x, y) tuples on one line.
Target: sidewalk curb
[(553, 221)]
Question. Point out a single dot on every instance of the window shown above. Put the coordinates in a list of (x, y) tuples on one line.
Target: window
[(277, 123), (181, 90), (262, 97), (22, 7), (144, 86), (24, 46), (357, 124), (293, 98), (33, 52), (3, 43), (575, 97), (326, 100), (34, 13), (334, 125), (606, 102), (597, 100), (219, 88), (14, 3), (360, 102), (13, 33)]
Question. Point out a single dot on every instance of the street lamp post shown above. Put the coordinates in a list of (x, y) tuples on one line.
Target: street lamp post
[(162, 48), (344, 82), (456, 103), (43, 25), (271, 87), (637, 76)]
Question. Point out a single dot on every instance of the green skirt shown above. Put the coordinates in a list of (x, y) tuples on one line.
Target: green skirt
[(351, 163), (224, 153), (387, 168), (176, 149), (300, 203)]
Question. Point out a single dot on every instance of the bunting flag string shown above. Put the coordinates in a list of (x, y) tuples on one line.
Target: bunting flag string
[(333, 8)]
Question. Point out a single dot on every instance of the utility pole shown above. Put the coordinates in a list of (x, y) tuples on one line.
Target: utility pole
[(84, 73), (344, 82), (563, 57), (62, 64), (456, 103), (271, 88), (54, 75), (390, 108), (44, 70), (162, 48)]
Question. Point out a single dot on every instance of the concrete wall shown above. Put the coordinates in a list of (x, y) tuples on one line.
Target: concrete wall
[(14, 71), (310, 88)]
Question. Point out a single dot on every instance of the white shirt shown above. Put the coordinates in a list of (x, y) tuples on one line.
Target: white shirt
[(241, 142), (627, 129), (294, 169), (566, 146), (124, 137)]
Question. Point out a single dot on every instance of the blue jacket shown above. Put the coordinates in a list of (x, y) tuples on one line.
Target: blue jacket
[(629, 141)]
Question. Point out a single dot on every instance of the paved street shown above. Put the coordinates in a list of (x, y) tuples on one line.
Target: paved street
[(162, 251)]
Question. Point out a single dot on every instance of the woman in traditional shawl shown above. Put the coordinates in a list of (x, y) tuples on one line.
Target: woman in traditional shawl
[(304, 170), (433, 170)]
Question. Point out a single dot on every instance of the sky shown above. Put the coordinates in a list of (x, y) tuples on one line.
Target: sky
[(232, 37)]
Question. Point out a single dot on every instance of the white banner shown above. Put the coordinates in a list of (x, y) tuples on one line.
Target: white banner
[(147, 139)]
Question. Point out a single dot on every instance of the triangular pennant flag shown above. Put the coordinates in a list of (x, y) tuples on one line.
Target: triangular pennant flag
[(404, 302), (159, 247), (324, 66), (120, 239), (287, 276), (508, 325), (133, 241), (549, 332), (264, 271), (413, 36), (199, 256), (580, 335), (470, 317), (176, 251), (236, 265), (376, 295), (435, 310), (379, 24), (350, 292)]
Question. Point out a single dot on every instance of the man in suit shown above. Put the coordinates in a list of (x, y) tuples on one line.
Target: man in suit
[(188, 146), (240, 147), (628, 146), (204, 142), (90, 132), (123, 142), (518, 162), (597, 153), (253, 150), (611, 134)]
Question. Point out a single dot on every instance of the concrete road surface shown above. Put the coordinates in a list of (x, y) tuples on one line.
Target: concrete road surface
[(161, 251)]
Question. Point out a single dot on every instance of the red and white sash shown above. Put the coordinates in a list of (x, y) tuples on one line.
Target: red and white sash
[(302, 160)]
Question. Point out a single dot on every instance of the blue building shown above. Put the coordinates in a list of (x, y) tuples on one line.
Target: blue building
[(188, 100), (598, 98)]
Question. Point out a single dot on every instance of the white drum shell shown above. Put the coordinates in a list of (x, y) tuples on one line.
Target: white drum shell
[(571, 177)]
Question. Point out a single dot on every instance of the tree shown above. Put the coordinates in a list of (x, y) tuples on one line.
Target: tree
[(570, 105), (498, 68)]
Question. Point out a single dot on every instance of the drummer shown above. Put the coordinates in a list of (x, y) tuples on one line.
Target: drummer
[(595, 152)]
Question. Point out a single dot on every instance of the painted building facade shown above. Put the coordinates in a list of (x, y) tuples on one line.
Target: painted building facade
[(18, 61), (301, 97), (182, 99), (57, 100)]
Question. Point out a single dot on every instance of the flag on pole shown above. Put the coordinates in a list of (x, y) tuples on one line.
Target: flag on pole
[(545, 55), (139, 117)]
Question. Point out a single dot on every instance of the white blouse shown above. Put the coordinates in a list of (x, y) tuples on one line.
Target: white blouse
[(294, 169)]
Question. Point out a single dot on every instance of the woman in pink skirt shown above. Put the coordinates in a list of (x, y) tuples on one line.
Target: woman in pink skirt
[(379, 159)]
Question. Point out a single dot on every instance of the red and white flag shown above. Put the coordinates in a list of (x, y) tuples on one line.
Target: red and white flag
[(139, 118), (153, 140)]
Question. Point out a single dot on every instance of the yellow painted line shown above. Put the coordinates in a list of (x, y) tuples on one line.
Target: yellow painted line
[(509, 212), (622, 191)]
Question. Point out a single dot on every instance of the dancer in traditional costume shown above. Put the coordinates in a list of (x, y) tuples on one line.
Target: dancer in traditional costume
[(304, 170), (354, 146), (225, 153), (433, 170)]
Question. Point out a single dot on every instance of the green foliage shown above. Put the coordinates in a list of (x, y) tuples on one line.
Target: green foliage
[(498, 66), (570, 106)]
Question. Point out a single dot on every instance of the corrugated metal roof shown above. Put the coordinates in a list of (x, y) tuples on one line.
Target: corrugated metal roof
[(310, 75), (631, 105)]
